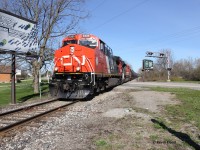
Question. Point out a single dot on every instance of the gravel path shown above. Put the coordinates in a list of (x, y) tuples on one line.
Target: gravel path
[(118, 119)]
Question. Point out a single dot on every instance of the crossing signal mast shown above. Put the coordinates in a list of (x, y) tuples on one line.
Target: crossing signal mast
[(161, 55), (155, 54)]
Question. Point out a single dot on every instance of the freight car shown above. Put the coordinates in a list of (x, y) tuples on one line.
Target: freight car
[(85, 65)]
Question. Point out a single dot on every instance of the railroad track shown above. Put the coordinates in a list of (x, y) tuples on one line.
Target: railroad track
[(19, 117)]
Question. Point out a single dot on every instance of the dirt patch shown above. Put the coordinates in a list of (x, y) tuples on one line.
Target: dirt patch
[(153, 101), (118, 112)]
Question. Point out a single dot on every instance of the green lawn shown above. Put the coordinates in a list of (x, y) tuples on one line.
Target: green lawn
[(189, 108), (197, 82), (24, 92)]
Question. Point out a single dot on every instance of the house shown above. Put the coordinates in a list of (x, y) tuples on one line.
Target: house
[(5, 73)]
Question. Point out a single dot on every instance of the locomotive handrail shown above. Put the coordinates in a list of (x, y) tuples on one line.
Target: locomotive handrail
[(56, 61), (92, 70), (94, 77), (90, 65)]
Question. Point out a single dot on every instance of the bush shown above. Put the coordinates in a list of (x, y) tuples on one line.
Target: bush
[(177, 79)]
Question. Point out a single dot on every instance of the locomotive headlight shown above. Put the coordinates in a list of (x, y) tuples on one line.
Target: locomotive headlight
[(56, 69), (72, 49), (78, 69)]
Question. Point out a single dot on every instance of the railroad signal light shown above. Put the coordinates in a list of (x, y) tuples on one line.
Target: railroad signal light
[(162, 54), (169, 69), (149, 53)]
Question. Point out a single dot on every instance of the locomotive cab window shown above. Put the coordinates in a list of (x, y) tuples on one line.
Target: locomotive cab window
[(88, 42), (65, 43), (107, 52), (102, 47)]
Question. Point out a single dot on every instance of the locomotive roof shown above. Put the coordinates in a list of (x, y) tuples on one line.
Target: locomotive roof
[(79, 36)]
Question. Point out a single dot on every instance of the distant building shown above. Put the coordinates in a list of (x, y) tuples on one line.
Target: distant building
[(5, 73)]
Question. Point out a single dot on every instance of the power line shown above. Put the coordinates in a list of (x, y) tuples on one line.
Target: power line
[(98, 5), (183, 33), (177, 35), (120, 14), (180, 36)]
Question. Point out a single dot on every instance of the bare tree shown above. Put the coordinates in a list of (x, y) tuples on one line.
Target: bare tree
[(55, 18), (161, 64), (188, 69), (197, 70)]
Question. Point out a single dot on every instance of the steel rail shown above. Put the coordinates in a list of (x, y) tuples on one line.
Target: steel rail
[(34, 117), (26, 107)]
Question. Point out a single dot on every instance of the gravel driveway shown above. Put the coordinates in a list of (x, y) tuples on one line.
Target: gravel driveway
[(122, 118)]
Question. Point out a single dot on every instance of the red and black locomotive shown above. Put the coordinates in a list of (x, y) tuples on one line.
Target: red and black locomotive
[(85, 65)]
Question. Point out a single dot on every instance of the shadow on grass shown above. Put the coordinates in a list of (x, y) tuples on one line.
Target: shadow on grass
[(25, 98), (182, 136)]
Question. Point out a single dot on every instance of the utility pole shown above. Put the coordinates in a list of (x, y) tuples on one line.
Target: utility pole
[(13, 88), (168, 67)]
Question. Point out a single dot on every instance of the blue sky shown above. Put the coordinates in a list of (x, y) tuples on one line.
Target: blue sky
[(132, 27)]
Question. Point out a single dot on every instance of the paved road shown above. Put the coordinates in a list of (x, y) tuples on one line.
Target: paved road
[(195, 86)]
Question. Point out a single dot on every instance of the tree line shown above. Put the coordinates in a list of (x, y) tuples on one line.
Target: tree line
[(187, 69)]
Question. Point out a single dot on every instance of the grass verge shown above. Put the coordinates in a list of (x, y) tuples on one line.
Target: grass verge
[(189, 109), (24, 92), (103, 145)]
